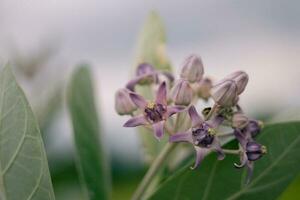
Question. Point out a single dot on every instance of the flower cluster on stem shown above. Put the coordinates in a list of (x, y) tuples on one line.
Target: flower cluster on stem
[(178, 96)]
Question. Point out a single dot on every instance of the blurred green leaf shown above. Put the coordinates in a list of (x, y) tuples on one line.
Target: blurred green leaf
[(152, 44), (24, 172), (219, 180), (91, 161)]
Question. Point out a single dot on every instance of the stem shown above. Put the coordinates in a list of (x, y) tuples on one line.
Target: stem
[(232, 151), (154, 168)]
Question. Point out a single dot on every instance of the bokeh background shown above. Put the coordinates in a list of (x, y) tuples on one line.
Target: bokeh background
[(45, 39)]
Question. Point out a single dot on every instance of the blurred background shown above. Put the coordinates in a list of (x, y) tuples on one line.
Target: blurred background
[(45, 40)]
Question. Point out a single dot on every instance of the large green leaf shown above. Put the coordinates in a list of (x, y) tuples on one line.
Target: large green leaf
[(91, 161), (219, 180), (24, 173)]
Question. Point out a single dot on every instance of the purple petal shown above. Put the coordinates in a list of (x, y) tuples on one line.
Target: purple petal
[(196, 119), (161, 96), (131, 84), (174, 109), (138, 100), (136, 121), (200, 154), (181, 137), (158, 129)]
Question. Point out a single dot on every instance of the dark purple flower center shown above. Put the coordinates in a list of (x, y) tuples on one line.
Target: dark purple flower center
[(155, 112), (255, 151), (203, 136)]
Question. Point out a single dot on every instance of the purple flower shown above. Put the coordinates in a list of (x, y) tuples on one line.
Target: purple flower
[(146, 74), (251, 151), (201, 136), (254, 127), (154, 113)]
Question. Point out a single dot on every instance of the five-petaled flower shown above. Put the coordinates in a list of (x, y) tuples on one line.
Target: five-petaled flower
[(202, 136), (154, 113)]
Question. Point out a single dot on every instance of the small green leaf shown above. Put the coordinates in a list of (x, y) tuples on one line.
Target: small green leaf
[(24, 173), (220, 180), (91, 161), (152, 44)]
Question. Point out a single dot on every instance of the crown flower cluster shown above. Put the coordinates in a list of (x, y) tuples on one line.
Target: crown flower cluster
[(172, 98)]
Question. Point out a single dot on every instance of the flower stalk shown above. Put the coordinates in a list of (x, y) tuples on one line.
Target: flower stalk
[(172, 109), (154, 168)]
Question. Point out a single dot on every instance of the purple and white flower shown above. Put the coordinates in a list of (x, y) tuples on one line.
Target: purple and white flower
[(202, 136), (154, 113), (250, 152), (146, 74)]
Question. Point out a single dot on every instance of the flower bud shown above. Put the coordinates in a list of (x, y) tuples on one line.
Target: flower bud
[(225, 93), (192, 70), (255, 151), (239, 120), (123, 103), (182, 93), (240, 78), (204, 87)]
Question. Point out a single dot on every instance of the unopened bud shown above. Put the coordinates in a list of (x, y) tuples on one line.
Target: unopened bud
[(255, 151), (239, 120), (182, 93), (204, 87), (240, 78), (123, 103), (192, 70), (225, 93)]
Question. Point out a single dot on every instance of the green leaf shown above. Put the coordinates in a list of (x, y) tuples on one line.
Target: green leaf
[(91, 161), (220, 180), (152, 44), (24, 173)]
